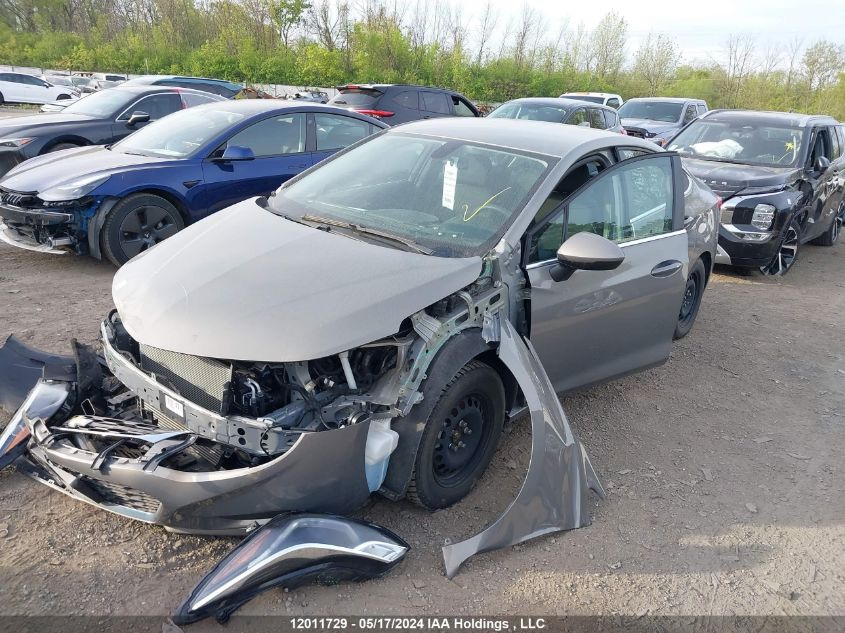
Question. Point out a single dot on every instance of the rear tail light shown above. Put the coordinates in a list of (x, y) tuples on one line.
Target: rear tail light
[(381, 114)]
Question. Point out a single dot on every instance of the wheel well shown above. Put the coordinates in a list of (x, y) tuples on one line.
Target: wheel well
[(172, 199), (512, 391), (75, 140), (708, 265)]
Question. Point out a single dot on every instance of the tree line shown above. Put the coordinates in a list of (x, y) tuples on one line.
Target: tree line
[(486, 55)]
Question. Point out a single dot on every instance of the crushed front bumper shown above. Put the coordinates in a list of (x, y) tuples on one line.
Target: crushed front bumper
[(18, 239)]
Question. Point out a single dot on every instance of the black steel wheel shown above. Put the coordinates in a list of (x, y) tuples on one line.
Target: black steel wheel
[(460, 437), (693, 292), (787, 253), (137, 223)]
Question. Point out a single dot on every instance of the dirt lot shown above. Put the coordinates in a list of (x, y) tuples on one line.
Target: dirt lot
[(724, 469)]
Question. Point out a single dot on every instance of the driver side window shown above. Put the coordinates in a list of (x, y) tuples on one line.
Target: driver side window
[(274, 136), (632, 202)]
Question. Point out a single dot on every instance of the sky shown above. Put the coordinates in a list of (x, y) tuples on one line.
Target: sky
[(699, 27)]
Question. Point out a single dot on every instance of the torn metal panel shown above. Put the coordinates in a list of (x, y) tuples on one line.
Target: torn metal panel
[(554, 494), (290, 550)]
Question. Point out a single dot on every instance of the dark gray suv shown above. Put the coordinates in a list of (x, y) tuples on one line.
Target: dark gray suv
[(400, 103), (658, 119)]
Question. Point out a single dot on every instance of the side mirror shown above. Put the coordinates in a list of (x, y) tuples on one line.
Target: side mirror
[(237, 152), (137, 117), (586, 251), (821, 164)]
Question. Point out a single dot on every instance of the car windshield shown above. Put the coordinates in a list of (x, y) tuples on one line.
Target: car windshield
[(532, 111), (589, 98), (102, 104), (742, 142), (449, 198), (179, 134), (80, 81), (667, 111), (59, 81)]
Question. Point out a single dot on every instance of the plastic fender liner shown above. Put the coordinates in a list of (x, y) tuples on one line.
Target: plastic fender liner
[(554, 494), (42, 402), (289, 550), (21, 366)]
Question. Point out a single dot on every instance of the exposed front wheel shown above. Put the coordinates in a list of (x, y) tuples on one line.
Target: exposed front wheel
[(460, 437), (787, 252), (137, 223), (693, 291)]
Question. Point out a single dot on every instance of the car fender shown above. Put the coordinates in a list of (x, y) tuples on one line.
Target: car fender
[(95, 226)]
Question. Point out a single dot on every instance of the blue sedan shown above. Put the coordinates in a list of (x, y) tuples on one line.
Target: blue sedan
[(118, 200)]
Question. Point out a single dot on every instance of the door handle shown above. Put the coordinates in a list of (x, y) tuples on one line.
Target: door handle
[(667, 268)]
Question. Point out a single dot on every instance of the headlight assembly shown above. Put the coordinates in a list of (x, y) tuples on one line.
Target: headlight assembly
[(15, 142), (74, 189), (764, 215)]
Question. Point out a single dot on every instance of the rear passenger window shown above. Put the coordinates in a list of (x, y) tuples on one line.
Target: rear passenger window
[(610, 118), (192, 100), (578, 117), (614, 103), (408, 99), (436, 102), (690, 114), (336, 132), (701, 108), (597, 119), (836, 146)]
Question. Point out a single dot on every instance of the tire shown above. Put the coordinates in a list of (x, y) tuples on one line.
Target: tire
[(136, 223), (62, 97), (60, 146), (460, 437), (831, 236), (2, 99), (693, 292), (787, 254)]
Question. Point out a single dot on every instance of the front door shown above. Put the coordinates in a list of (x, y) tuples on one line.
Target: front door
[(600, 324), (278, 143)]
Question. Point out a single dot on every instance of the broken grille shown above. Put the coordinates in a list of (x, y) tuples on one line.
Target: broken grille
[(119, 495), (16, 199), (203, 381)]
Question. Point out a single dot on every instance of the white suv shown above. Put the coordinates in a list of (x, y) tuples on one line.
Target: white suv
[(604, 98), (23, 88)]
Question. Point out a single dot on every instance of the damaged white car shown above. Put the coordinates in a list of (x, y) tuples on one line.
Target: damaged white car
[(370, 326)]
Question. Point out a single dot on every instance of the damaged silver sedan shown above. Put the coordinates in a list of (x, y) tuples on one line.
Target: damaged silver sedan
[(370, 327)]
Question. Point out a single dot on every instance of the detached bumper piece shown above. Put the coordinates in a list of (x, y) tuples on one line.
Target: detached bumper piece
[(554, 495), (288, 551)]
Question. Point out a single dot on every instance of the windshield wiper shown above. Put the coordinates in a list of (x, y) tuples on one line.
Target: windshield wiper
[(363, 230)]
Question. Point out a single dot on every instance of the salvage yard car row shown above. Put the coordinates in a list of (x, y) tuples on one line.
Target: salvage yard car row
[(385, 311)]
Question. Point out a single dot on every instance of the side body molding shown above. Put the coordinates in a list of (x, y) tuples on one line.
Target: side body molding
[(554, 494)]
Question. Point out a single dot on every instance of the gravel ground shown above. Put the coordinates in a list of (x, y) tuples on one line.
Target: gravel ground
[(724, 468)]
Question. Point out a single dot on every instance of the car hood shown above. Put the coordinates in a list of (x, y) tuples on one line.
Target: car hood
[(649, 124), (34, 121), (727, 179), (245, 284), (56, 168)]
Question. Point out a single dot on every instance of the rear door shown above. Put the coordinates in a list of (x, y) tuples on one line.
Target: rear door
[(279, 145), (11, 88), (600, 324)]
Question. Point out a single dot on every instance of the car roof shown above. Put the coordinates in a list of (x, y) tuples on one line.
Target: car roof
[(560, 102), (792, 119), (148, 79), (381, 86), (666, 99), (593, 94), (152, 89), (250, 107), (540, 137)]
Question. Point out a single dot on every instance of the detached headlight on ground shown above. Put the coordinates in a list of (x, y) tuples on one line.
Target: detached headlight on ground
[(15, 142), (74, 189), (763, 216)]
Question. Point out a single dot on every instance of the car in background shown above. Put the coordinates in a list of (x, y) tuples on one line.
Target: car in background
[(604, 98), (557, 110), (112, 79), (96, 119), (23, 88), (226, 89), (400, 103), (314, 96), (80, 84), (118, 200), (658, 119), (781, 177)]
